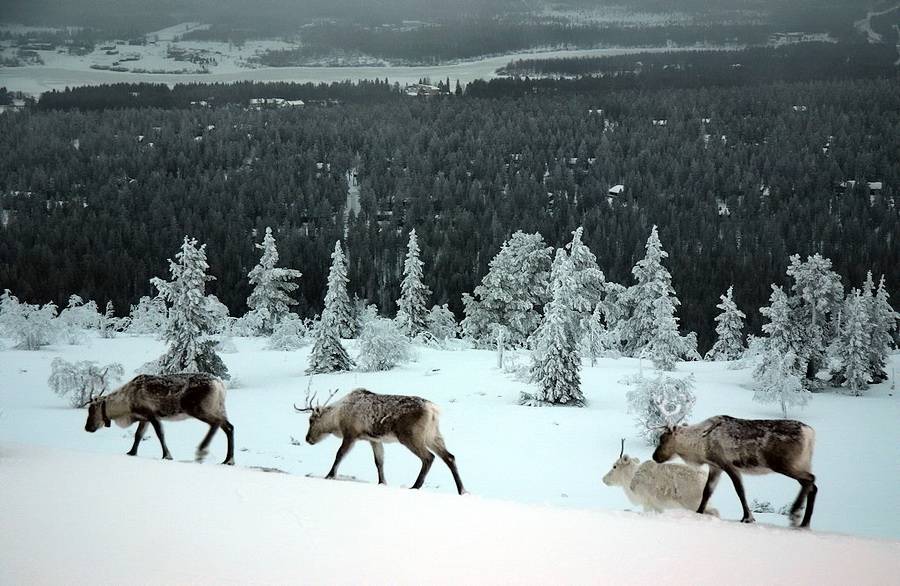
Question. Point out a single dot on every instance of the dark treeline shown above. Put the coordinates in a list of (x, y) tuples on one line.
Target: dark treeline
[(151, 95), (736, 178), (797, 62)]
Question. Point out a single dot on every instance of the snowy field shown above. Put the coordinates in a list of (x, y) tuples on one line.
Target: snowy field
[(62, 70), (543, 456)]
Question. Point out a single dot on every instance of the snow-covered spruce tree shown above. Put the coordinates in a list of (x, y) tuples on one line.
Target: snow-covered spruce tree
[(854, 344), (442, 324), (108, 324), (594, 335), (665, 345), (412, 312), (589, 281), (289, 334), (77, 317), (511, 293), (30, 326), (656, 403), (82, 381), (819, 296), (382, 345), (883, 321), (192, 316), (148, 317), (556, 361), (336, 298), (729, 330), (653, 282), (328, 354), (272, 286), (780, 369)]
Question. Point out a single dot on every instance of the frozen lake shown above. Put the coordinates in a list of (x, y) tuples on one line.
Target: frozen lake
[(62, 73)]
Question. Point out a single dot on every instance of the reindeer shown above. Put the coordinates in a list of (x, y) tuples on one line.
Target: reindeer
[(363, 415), (754, 446), (149, 398), (657, 487)]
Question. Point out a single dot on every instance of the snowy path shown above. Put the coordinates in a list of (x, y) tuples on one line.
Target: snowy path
[(75, 518)]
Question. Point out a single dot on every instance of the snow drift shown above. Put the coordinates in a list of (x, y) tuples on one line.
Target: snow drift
[(76, 518)]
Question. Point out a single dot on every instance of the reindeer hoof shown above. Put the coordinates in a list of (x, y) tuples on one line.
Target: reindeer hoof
[(131, 453), (748, 519), (200, 456), (228, 462), (167, 457)]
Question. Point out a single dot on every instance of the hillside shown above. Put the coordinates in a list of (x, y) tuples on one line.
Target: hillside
[(102, 519)]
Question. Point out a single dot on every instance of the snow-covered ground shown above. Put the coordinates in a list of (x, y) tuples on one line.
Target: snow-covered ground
[(61, 70), (539, 456), (75, 518)]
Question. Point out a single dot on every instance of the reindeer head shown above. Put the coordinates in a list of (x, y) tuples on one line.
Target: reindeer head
[(672, 414), (318, 427), (96, 415), (622, 470)]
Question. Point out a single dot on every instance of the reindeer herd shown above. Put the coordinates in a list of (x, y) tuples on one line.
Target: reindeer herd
[(722, 443)]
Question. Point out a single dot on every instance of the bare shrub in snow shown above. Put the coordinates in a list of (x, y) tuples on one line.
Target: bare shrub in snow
[(289, 334), (382, 345), (77, 317), (30, 326), (656, 401), (82, 381)]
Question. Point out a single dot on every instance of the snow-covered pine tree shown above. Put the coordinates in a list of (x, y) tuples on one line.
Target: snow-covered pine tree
[(729, 330), (589, 281), (191, 316), (328, 354), (289, 334), (653, 282), (819, 295), (854, 344), (30, 326), (511, 293), (108, 323), (412, 312), (442, 324), (595, 335), (272, 286), (779, 372), (883, 321), (665, 345), (336, 297), (556, 361)]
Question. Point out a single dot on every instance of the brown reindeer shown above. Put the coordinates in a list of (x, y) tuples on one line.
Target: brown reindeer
[(362, 415), (745, 445), (149, 398)]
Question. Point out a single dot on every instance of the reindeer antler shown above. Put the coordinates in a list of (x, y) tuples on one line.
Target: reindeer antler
[(622, 451), (310, 399), (671, 412)]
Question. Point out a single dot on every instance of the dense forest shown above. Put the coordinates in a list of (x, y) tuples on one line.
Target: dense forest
[(94, 202)]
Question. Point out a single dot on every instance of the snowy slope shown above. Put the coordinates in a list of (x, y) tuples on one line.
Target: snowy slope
[(103, 519), (543, 456)]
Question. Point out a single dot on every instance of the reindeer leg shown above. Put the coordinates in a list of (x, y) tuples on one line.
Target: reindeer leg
[(157, 427), (449, 459), (346, 444), (228, 428), (138, 435), (711, 480), (807, 494), (739, 488), (202, 448), (422, 452), (378, 450), (811, 491)]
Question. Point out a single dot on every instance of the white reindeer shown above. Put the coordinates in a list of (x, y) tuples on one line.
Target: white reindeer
[(657, 487)]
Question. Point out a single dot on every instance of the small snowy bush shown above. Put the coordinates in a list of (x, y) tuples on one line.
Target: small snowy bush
[(76, 317), (148, 317), (289, 334), (441, 325), (382, 345), (82, 381), (30, 326), (659, 402)]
